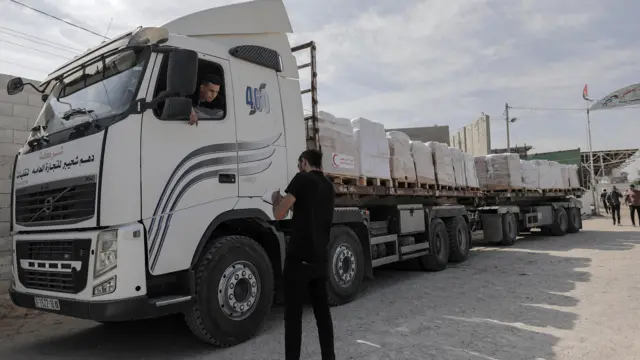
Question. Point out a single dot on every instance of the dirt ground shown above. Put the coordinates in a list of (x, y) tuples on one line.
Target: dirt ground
[(575, 297)]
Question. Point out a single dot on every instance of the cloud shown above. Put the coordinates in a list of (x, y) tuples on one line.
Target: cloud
[(425, 62)]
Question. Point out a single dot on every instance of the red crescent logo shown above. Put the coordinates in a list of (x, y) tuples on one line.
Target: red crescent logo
[(333, 159)]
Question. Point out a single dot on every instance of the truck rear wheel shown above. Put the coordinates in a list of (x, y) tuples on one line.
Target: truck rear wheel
[(438, 256), (346, 265), (509, 229), (575, 220), (234, 291), (459, 241), (560, 222)]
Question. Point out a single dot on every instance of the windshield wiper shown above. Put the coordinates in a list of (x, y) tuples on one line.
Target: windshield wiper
[(73, 112)]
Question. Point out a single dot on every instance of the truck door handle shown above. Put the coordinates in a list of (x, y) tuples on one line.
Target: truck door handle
[(227, 178)]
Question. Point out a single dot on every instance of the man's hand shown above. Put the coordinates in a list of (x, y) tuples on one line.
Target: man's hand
[(193, 118), (276, 198)]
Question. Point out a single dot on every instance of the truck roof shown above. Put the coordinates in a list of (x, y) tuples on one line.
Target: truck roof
[(253, 17)]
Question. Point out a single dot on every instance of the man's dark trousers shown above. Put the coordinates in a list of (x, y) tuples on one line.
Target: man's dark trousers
[(633, 209), (302, 278), (606, 206), (615, 212)]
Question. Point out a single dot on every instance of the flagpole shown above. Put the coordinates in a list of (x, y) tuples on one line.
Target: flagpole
[(596, 204), (593, 175)]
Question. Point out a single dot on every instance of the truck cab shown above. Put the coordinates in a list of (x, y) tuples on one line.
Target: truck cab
[(122, 211)]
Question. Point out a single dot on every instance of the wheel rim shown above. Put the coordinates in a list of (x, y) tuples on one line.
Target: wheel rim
[(239, 290), (344, 265), (462, 239)]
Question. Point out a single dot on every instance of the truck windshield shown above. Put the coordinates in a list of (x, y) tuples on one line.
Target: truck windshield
[(104, 87)]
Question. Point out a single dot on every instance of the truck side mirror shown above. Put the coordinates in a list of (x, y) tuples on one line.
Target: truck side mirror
[(182, 72), (176, 108), (15, 86)]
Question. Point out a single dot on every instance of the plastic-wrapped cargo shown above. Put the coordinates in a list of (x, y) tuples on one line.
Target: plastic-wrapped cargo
[(530, 175), (504, 172), (373, 148), (545, 176), (574, 177), (564, 170), (443, 164), (556, 174), (423, 160), (470, 171), (481, 171), (401, 162), (338, 145), (457, 159)]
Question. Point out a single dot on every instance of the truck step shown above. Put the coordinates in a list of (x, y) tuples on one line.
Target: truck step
[(383, 239), (385, 260)]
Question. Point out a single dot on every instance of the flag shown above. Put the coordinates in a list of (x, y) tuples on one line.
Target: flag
[(585, 93)]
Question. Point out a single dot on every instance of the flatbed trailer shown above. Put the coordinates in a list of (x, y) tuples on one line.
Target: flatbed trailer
[(376, 226)]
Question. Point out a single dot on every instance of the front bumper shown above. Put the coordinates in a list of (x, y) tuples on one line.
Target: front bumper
[(136, 308), (115, 310)]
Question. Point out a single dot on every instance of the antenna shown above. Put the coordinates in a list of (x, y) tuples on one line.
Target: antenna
[(108, 27)]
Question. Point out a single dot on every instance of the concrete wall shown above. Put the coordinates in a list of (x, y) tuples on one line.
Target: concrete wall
[(17, 115), (475, 138), (427, 133)]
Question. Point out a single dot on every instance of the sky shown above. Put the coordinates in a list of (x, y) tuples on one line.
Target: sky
[(425, 62)]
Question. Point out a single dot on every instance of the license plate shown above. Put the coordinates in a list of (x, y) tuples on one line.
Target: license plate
[(47, 304)]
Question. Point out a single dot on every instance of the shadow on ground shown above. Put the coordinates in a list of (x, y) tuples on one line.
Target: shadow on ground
[(503, 303)]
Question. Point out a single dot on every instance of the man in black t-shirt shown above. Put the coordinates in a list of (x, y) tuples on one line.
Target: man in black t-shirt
[(203, 100), (312, 196)]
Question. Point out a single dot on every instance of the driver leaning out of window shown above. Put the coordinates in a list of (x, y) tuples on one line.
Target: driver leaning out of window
[(203, 100)]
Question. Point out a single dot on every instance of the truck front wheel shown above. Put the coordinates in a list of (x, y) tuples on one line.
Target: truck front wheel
[(438, 256), (234, 291), (346, 265)]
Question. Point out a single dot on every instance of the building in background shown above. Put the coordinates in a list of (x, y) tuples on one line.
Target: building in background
[(18, 113), (428, 133), (475, 138)]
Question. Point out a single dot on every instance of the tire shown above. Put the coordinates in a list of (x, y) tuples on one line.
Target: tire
[(560, 222), (226, 260), (345, 265), (459, 240), (438, 256), (575, 220), (509, 229)]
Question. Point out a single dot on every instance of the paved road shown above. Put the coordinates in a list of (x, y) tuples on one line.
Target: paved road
[(546, 298)]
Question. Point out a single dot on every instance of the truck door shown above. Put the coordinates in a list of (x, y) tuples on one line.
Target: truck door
[(259, 121), (188, 172)]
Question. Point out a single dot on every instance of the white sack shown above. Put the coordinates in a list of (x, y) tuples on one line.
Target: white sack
[(443, 164), (423, 160)]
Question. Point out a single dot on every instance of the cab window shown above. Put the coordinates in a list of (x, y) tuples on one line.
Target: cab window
[(208, 98)]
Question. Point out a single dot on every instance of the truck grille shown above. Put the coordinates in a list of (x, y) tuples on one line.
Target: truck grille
[(63, 202), (58, 265)]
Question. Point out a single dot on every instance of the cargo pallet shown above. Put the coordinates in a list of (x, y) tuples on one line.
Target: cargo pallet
[(374, 181), (404, 184)]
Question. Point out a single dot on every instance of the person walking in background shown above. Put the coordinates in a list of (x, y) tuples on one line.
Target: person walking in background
[(632, 198), (613, 198), (603, 198)]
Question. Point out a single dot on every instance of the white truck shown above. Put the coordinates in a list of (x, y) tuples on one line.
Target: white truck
[(122, 211)]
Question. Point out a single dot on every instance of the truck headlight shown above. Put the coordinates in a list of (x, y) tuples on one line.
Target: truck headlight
[(106, 252)]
